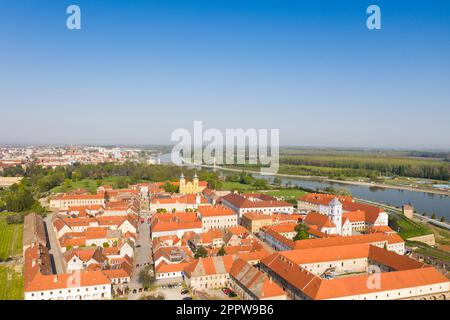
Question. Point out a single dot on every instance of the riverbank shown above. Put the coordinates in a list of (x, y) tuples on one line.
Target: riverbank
[(325, 179)]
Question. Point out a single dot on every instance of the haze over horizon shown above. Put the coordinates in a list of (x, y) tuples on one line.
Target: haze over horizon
[(137, 71)]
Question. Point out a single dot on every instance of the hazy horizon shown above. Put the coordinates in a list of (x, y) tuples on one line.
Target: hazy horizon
[(136, 71)]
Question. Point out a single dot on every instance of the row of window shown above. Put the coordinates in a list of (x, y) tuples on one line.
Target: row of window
[(69, 291)]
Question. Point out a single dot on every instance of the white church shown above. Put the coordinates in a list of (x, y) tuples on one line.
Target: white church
[(334, 219)]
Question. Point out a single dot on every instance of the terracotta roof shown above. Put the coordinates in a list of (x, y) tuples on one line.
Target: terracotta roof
[(61, 281), (238, 230), (256, 216), (98, 196), (254, 280), (241, 201), (285, 227), (36, 261), (33, 229), (164, 267), (356, 239), (253, 256), (212, 211), (319, 220), (324, 199), (209, 266), (116, 273)]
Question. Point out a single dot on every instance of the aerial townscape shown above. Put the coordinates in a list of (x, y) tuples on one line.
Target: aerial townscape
[(202, 159), (183, 238)]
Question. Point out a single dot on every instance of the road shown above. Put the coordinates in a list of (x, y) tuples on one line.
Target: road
[(56, 255), (142, 256), (444, 225)]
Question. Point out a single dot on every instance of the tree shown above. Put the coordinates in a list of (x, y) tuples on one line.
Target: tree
[(277, 181), (260, 183), (201, 252), (145, 278), (14, 219), (302, 232), (105, 245), (169, 187)]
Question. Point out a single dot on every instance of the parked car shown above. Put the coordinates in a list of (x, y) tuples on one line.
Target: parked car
[(184, 291), (231, 294), (169, 286), (226, 290), (187, 298), (138, 246)]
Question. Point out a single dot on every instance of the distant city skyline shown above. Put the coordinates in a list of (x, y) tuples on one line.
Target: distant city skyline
[(137, 71)]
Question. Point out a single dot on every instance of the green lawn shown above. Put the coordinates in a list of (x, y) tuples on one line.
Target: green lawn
[(286, 193), (90, 185), (10, 239), (11, 283), (227, 185), (407, 227)]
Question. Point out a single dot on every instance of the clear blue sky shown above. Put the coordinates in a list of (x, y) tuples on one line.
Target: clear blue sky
[(139, 69)]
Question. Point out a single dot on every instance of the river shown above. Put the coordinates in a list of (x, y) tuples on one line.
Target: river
[(422, 201)]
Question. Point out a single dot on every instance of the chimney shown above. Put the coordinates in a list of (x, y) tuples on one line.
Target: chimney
[(55, 278)]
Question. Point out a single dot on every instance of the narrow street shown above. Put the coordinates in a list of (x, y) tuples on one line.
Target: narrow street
[(142, 256), (56, 255)]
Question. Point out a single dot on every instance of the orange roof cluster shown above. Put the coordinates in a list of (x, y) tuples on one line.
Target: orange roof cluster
[(278, 217), (407, 272), (85, 254), (175, 221), (38, 276), (255, 281), (324, 199), (320, 220), (275, 235), (36, 261), (164, 267), (285, 227), (250, 247), (209, 266), (257, 216), (382, 229), (214, 211), (98, 196), (241, 201), (179, 199), (254, 256), (170, 251), (340, 241), (51, 282)]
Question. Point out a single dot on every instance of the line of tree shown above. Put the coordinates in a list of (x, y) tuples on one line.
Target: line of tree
[(38, 181), (428, 169)]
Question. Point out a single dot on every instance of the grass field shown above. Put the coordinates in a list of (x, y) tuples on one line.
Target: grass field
[(286, 193), (90, 185), (407, 227), (11, 283), (227, 185), (10, 239)]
